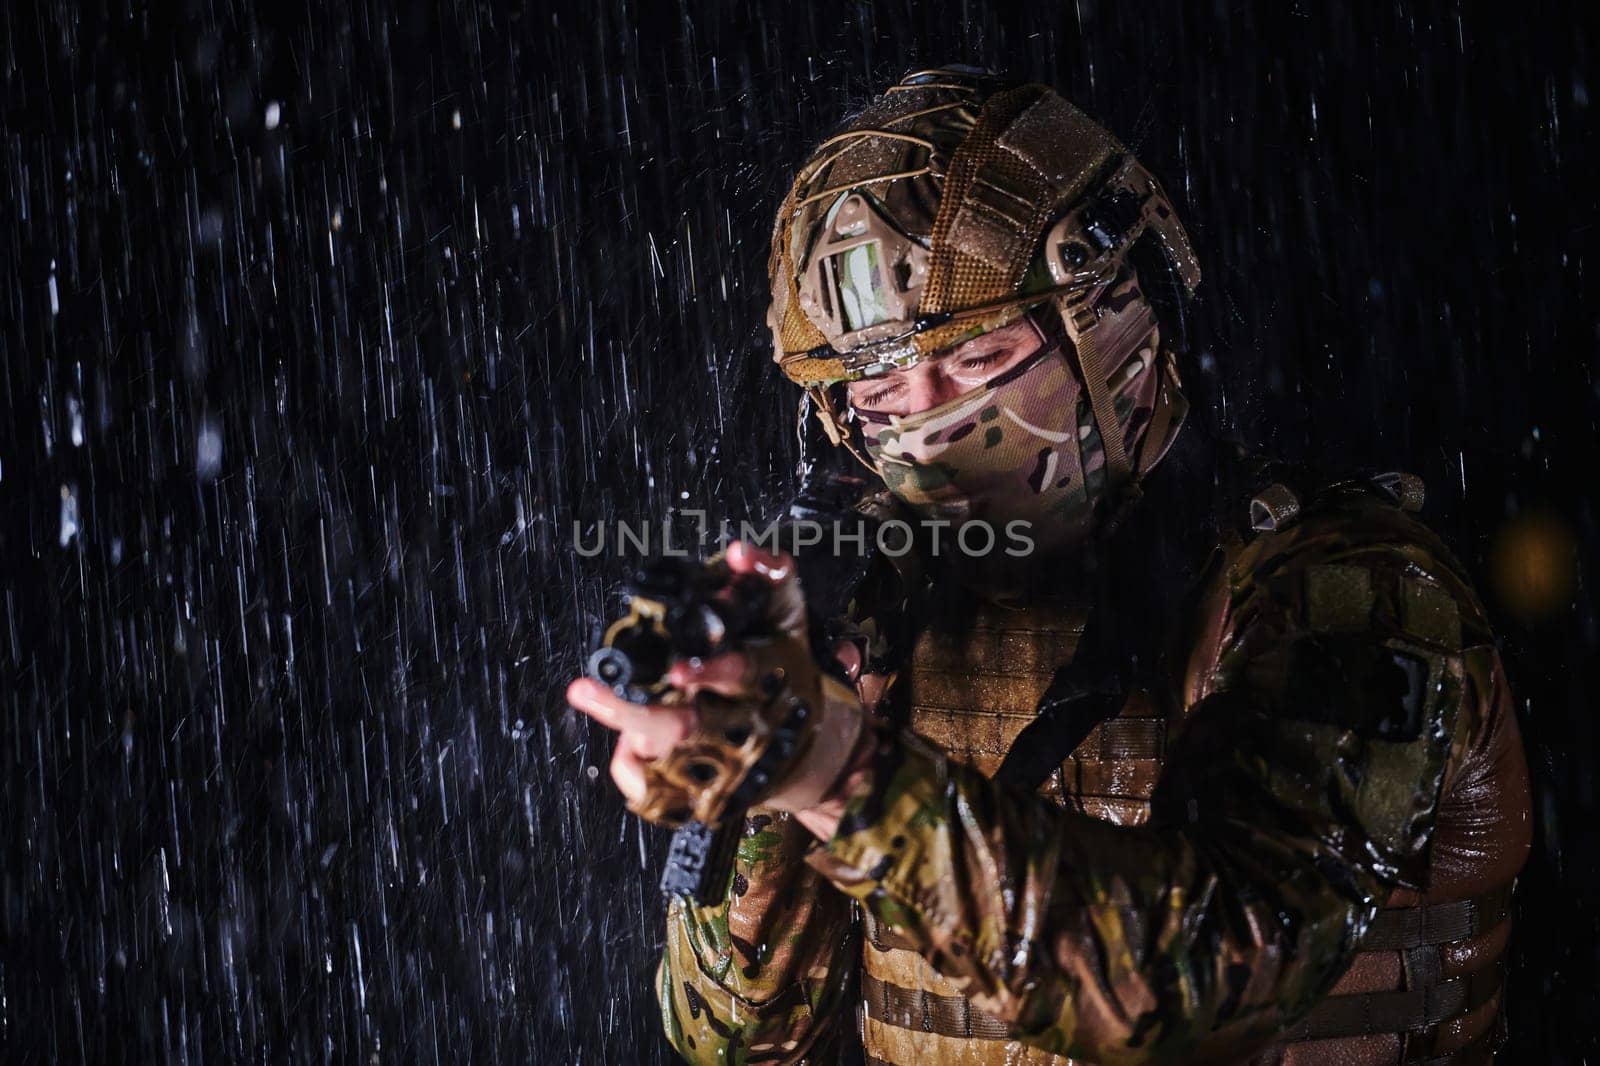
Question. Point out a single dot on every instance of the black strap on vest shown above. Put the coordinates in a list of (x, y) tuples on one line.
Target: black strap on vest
[(1084, 692), (1144, 571), (1419, 932), (1408, 1011), (1367, 1013), (1404, 928), (1066, 715)]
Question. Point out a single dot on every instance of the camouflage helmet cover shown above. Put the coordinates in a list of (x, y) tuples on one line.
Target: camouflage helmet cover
[(952, 205), (926, 217)]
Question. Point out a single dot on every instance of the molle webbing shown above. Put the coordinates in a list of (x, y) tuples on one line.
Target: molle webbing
[(914, 1008), (1403, 928), (1124, 738), (972, 694), (1361, 1014), (1420, 932), (1479, 1052), (1367, 1013)]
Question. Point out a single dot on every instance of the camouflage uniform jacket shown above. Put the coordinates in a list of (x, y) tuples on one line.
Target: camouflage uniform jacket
[(1340, 739)]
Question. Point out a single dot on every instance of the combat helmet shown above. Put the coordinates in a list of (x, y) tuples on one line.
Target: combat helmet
[(953, 204)]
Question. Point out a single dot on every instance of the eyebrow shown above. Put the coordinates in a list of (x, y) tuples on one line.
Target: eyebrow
[(994, 338), (872, 385), (972, 346)]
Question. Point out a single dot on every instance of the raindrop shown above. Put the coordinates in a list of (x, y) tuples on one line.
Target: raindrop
[(193, 345), (69, 515), (208, 450), (210, 231)]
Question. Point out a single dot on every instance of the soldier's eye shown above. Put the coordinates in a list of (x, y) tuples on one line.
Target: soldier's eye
[(978, 362), (877, 396)]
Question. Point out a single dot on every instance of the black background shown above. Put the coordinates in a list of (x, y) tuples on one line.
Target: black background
[(293, 454)]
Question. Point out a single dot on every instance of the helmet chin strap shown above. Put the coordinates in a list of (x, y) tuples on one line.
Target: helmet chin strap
[(834, 425), (1082, 327)]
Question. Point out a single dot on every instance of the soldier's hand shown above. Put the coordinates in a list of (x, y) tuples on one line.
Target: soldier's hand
[(662, 748)]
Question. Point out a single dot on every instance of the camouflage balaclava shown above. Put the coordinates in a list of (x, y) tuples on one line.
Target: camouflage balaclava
[(1024, 446)]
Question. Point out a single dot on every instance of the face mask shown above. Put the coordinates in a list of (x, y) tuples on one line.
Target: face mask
[(1024, 446), (1006, 451)]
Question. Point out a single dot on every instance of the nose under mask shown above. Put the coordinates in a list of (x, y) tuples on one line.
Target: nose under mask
[(1011, 449)]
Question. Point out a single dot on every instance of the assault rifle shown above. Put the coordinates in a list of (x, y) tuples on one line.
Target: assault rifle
[(677, 607)]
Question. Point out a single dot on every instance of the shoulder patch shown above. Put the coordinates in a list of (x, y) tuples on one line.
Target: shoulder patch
[(1430, 613), (1338, 597)]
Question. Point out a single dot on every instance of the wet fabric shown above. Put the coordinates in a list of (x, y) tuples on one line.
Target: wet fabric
[(1006, 451), (1278, 830)]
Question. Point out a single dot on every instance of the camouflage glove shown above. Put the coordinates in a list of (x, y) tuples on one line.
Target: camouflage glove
[(762, 725)]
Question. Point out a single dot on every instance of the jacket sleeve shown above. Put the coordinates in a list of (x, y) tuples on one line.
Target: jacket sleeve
[(1305, 782), (765, 975)]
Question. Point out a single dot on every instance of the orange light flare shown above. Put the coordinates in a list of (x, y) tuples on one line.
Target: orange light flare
[(1533, 564)]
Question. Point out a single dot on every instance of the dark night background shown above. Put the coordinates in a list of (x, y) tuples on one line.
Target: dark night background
[(321, 325)]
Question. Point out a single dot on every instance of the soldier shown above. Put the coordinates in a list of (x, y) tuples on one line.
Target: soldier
[(1056, 810)]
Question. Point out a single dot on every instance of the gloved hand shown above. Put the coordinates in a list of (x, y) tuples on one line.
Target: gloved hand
[(763, 725)]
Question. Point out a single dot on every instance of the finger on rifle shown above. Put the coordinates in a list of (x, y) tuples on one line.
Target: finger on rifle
[(745, 558), (848, 652), (627, 769), (654, 727)]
